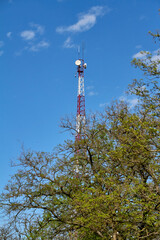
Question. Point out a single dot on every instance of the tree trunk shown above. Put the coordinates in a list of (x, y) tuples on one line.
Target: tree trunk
[(115, 235)]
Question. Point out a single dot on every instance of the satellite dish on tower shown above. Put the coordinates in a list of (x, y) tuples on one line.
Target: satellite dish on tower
[(78, 62)]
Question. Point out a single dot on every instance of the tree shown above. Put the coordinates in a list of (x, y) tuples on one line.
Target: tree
[(115, 194), (7, 233)]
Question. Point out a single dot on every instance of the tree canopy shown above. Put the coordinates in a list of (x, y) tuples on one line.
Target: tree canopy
[(115, 193)]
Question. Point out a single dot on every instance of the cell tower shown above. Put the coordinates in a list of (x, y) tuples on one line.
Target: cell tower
[(80, 121)]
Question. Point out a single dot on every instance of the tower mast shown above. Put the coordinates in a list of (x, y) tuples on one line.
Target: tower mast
[(80, 120)]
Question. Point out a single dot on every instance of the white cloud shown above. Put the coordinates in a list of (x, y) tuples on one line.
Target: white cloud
[(40, 45), (85, 20), (27, 35), (103, 104), (156, 58), (37, 28), (140, 54), (34, 33), (9, 34), (131, 101), (31, 34), (157, 52), (1, 53), (92, 93), (69, 44)]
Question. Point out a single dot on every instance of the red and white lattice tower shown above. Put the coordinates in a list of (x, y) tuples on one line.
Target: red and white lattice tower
[(80, 121)]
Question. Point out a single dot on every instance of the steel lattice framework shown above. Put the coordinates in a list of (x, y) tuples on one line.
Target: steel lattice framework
[(80, 122)]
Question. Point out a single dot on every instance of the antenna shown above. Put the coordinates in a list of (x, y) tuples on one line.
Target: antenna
[(78, 50), (83, 48)]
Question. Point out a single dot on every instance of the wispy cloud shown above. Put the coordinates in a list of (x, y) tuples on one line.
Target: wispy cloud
[(33, 39), (9, 34), (69, 43), (37, 28), (92, 93), (131, 101), (140, 54), (154, 56), (102, 105), (157, 52), (40, 45), (85, 20), (27, 35)]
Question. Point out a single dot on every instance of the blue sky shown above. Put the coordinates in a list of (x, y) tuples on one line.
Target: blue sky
[(38, 48)]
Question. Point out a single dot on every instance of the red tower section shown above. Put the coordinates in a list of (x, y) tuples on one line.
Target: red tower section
[(80, 122)]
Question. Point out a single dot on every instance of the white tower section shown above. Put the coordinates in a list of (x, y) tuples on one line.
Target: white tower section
[(80, 124)]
